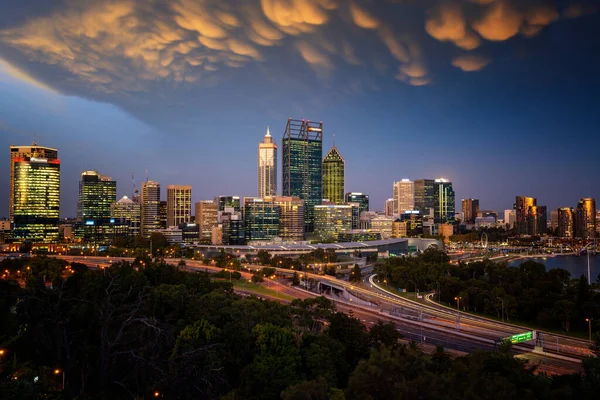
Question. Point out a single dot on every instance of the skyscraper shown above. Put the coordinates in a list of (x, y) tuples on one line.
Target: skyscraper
[(302, 165), (585, 227), (470, 209), (404, 196), (424, 196), (96, 194), (179, 204), (332, 219), (531, 218), (333, 176), (360, 198), (444, 202), (291, 217), (21, 152), (566, 222), (207, 217), (127, 212), (388, 207), (35, 193), (224, 202), (261, 219), (150, 204), (267, 166)]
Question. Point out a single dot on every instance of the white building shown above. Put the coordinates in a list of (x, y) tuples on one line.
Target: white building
[(267, 167), (150, 203), (179, 204), (404, 196)]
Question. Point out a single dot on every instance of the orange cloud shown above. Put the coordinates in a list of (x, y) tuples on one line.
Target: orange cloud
[(500, 22), (470, 62), (362, 18), (447, 23), (23, 76), (312, 56)]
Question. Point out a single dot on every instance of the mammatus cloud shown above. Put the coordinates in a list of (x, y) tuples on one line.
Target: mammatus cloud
[(470, 62), (447, 23)]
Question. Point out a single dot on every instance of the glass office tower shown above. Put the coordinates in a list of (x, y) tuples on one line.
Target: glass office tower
[(424, 196), (333, 176), (360, 198), (302, 165), (445, 202)]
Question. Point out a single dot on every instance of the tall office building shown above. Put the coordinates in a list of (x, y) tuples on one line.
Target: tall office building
[(585, 227), (360, 198), (566, 222), (414, 222), (150, 204), (388, 207), (537, 220), (96, 194), (424, 196), (207, 218), (404, 196), (333, 176), (22, 152), (531, 219), (291, 217), (261, 219), (470, 210), (34, 193), (127, 212), (162, 214), (554, 221), (331, 220), (302, 146), (224, 202), (179, 204), (444, 202), (267, 166)]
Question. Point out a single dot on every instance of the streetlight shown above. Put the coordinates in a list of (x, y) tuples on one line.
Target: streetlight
[(416, 289), (589, 321), (502, 307), (58, 371), (458, 302)]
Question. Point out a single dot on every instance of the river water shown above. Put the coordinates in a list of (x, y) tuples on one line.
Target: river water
[(576, 265)]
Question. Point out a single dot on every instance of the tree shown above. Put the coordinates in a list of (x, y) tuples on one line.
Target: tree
[(264, 258), (563, 310), (384, 334), (355, 274), (159, 242), (295, 279)]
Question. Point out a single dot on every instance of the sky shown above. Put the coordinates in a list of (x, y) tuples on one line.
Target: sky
[(498, 96)]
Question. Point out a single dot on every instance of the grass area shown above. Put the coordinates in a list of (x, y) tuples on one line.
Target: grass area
[(260, 290)]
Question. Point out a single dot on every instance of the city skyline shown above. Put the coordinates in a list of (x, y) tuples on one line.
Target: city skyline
[(531, 83)]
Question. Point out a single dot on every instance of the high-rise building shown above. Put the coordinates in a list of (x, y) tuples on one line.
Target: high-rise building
[(302, 146), (150, 205), (267, 166), (360, 198), (127, 212), (233, 229), (404, 196), (388, 207), (333, 176), (531, 219), (261, 219), (553, 221), (96, 194), (585, 226), (291, 217), (207, 217), (566, 222), (162, 214), (537, 220), (444, 202), (399, 228), (355, 214), (224, 202), (35, 193), (383, 225), (22, 152), (332, 219), (179, 204), (425, 196), (470, 210), (414, 221)]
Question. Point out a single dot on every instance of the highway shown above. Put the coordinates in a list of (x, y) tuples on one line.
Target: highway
[(426, 323)]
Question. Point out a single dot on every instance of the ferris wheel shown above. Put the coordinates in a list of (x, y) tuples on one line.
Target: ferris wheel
[(484, 240)]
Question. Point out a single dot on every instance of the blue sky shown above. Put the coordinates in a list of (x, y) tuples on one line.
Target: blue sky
[(499, 96)]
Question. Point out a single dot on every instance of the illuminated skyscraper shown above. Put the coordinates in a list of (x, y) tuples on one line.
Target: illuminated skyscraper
[(424, 196), (585, 226), (566, 222), (35, 193), (207, 217), (96, 194), (291, 217), (333, 176), (224, 202), (261, 219), (388, 207), (332, 219), (531, 218), (360, 198), (267, 166), (444, 202), (470, 209), (127, 212), (150, 203), (302, 165), (404, 196), (21, 152), (179, 204)]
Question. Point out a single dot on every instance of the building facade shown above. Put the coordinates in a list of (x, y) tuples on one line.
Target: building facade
[(150, 206), (383, 225), (566, 222), (470, 210), (267, 166), (96, 195), (302, 173), (399, 228), (331, 220), (414, 221), (207, 217), (35, 196), (585, 218), (425, 196), (179, 204), (404, 196), (444, 202), (360, 198), (388, 207), (291, 217), (333, 176), (261, 219), (127, 212), (531, 219), (224, 202)]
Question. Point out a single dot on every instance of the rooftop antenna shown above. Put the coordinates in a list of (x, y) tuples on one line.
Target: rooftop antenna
[(134, 189), (334, 140), (146, 174), (34, 141)]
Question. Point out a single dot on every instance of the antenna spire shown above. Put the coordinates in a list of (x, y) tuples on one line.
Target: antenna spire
[(34, 141), (334, 140), (268, 132)]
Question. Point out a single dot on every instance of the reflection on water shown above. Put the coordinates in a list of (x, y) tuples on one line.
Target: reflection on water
[(577, 266)]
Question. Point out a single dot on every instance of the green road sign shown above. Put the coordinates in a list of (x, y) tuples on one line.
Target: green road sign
[(521, 337)]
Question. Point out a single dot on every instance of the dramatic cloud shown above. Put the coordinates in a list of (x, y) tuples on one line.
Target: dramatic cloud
[(23, 76), (313, 56), (500, 22), (470, 62), (362, 18), (447, 23)]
